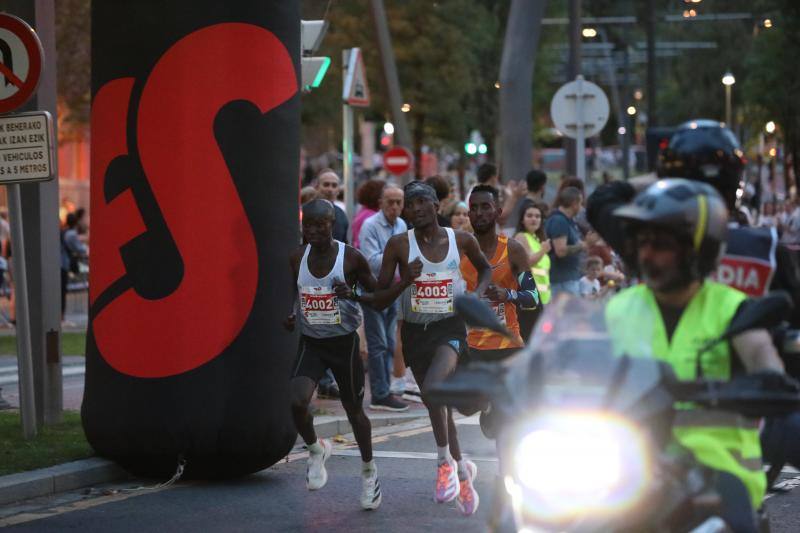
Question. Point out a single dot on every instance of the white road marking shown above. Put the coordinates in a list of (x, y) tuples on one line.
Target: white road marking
[(407, 455)]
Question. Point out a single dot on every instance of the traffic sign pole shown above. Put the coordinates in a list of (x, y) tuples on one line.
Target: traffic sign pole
[(579, 110), (580, 141), (27, 401), (347, 145)]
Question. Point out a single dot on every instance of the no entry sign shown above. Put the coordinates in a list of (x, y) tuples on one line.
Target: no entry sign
[(20, 62), (398, 161)]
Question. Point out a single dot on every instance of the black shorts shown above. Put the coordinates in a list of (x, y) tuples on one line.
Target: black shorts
[(420, 341), (341, 355)]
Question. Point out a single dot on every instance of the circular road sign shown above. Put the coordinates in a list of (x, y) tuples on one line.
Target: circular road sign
[(564, 108), (21, 61), (398, 161)]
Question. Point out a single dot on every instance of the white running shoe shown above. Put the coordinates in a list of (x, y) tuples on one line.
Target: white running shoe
[(370, 491), (316, 475), (468, 499)]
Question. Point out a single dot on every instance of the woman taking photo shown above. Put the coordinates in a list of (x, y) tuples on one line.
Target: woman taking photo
[(530, 233)]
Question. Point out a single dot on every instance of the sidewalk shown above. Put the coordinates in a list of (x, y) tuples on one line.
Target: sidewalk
[(330, 420)]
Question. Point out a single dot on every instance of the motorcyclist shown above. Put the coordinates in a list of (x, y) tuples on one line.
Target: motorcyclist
[(673, 234), (753, 260)]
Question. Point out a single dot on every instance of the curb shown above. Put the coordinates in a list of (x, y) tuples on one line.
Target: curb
[(59, 478), (96, 470), (330, 426)]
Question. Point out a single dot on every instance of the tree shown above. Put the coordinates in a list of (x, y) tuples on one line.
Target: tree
[(73, 65), (773, 81), (444, 61)]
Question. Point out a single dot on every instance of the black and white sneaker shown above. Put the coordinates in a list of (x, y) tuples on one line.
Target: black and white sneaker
[(370, 491), (389, 403)]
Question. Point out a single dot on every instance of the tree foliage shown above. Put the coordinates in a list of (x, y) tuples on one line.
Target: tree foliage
[(73, 63), (447, 60)]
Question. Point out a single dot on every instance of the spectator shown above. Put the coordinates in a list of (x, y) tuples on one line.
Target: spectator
[(791, 231), (459, 217), (328, 188), (73, 251), (442, 188), (530, 233), (487, 175), (519, 192), (580, 218), (565, 270), (369, 197), (307, 194), (767, 218), (589, 284), (381, 326)]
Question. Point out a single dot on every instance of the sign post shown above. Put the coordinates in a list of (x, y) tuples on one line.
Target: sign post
[(25, 156), (355, 93), (579, 110)]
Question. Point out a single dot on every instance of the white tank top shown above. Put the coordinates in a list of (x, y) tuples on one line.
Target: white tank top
[(430, 297), (322, 314)]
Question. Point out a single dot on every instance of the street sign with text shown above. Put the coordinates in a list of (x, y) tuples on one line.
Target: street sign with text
[(26, 147)]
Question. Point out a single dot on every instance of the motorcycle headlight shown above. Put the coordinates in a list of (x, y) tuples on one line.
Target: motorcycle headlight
[(570, 463)]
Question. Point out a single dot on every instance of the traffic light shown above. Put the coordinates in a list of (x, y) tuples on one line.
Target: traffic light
[(471, 148), (313, 68)]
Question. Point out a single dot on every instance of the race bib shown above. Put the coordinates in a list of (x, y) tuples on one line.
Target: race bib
[(499, 309), (432, 292), (320, 306)]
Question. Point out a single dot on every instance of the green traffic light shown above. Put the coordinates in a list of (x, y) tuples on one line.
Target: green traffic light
[(322, 71), (471, 148)]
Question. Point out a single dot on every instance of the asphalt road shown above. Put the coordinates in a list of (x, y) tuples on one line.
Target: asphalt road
[(276, 499)]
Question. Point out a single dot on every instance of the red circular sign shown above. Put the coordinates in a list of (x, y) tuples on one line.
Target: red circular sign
[(20, 62), (398, 161)]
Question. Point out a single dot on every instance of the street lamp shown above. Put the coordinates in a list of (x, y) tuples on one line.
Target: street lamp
[(728, 80)]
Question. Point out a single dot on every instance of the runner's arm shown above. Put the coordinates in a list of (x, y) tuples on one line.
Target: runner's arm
[(473, 252), (527, 296), (386, 292), (291, 318)]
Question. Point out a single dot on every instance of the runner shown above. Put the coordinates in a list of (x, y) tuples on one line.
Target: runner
[(324, 270), (434, 337), (512, 283)]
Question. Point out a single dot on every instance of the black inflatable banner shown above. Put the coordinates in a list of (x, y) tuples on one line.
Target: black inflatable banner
[(194, 186)]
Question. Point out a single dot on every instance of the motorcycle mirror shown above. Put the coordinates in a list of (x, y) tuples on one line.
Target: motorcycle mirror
[(765, 312), (478, 314)]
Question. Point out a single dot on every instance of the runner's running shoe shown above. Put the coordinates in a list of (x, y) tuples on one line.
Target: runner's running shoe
[(468, 500), (446, 482), (370, 491), (316, 475)]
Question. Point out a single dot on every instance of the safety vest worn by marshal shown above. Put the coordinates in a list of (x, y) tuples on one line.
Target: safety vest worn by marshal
[(541, 270), (720, 440), (749, 262), (502, 276)]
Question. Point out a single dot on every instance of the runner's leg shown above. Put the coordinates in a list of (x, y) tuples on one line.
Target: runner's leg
[(350, 376), (302, 389), (442, 365)]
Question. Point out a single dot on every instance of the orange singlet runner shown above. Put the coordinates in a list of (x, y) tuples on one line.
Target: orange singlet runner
[(502, 276)]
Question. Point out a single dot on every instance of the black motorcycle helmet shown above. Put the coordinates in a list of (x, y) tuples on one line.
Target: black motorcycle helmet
[(707, 151), (693, 211)]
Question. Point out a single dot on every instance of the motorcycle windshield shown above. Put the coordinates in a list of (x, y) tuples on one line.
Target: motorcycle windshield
[(573, 360)]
